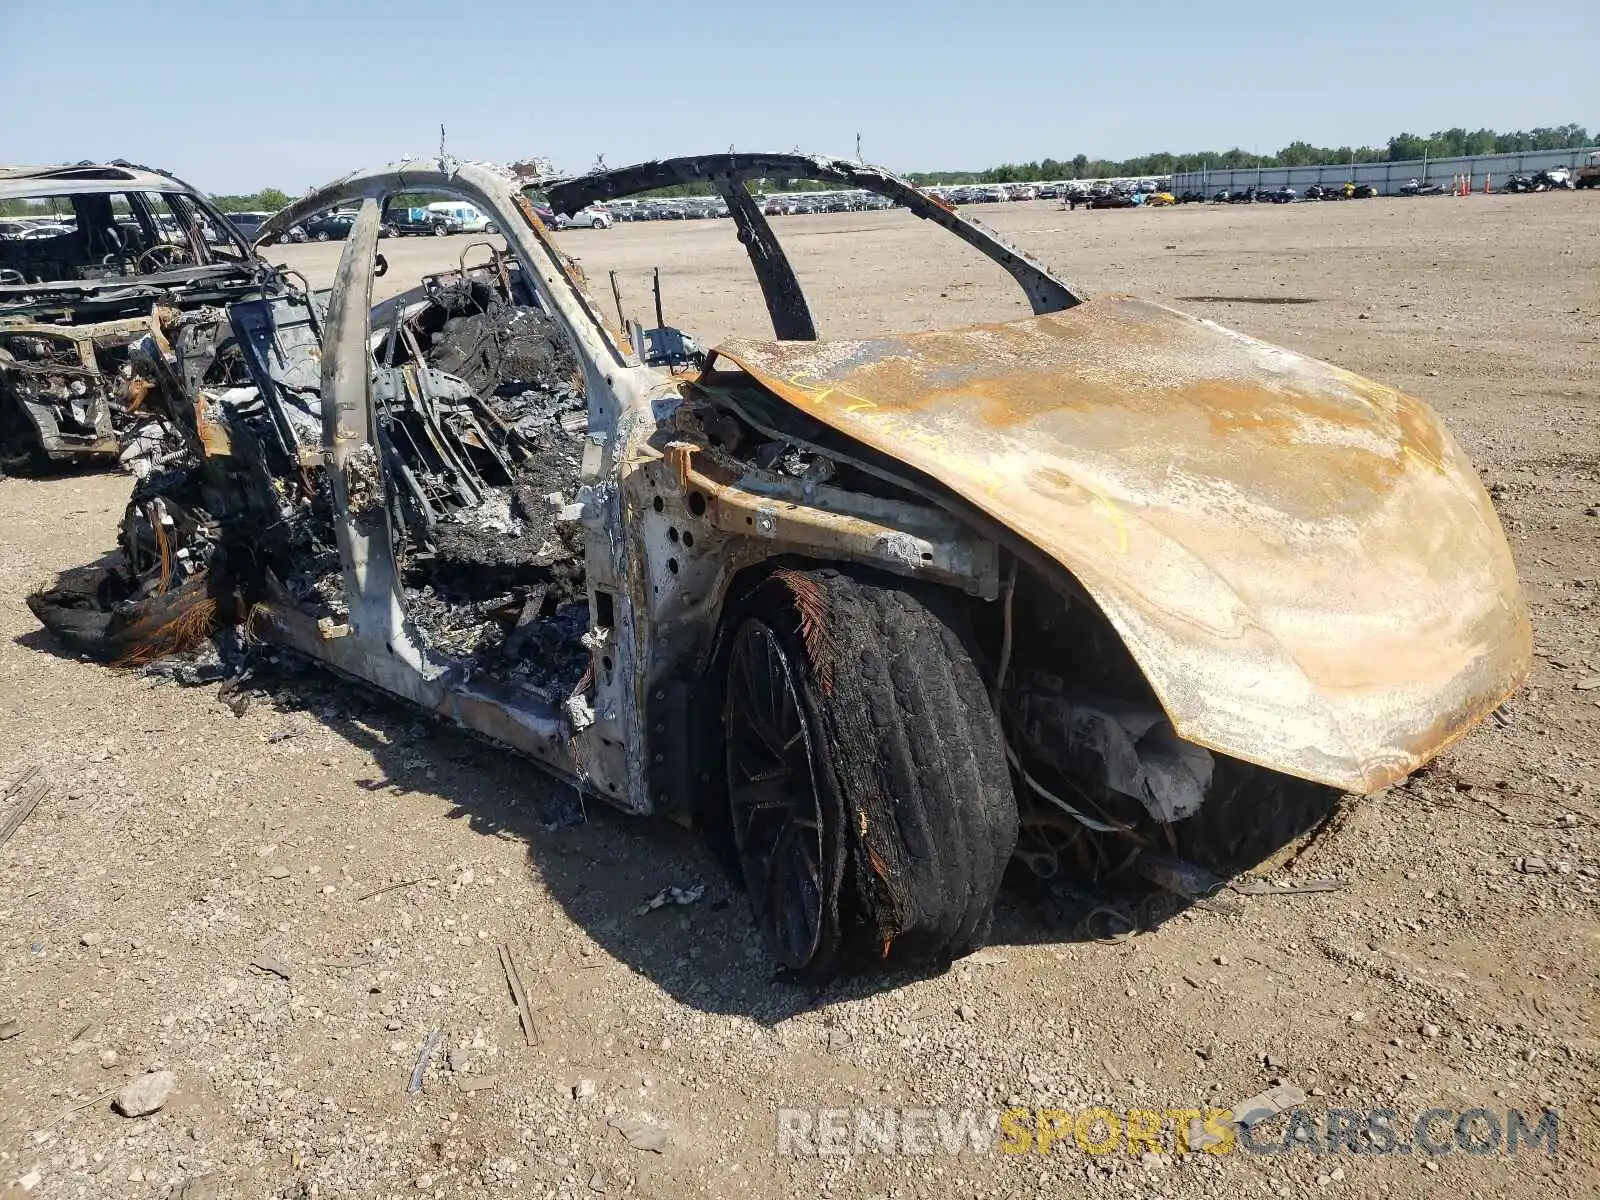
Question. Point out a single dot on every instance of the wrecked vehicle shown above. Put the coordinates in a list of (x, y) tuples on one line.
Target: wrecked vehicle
[(141, 251), (1109, 592)]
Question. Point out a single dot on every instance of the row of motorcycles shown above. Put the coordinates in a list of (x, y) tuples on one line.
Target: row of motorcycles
[(1284, 195), (1549, 180)]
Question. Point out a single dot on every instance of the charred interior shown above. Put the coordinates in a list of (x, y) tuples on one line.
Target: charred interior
[(481, 417), (484, 434)]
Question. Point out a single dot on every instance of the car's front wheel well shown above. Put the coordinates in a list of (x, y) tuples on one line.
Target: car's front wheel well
[(1103, 778)]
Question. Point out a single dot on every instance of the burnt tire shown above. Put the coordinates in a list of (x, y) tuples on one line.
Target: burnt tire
[(870, 802)]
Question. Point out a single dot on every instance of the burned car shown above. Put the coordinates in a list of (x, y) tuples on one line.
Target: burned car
[(138, 250), (1106, 592)]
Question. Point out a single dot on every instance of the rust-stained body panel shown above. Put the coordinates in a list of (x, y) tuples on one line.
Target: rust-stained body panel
[(1302, 561)]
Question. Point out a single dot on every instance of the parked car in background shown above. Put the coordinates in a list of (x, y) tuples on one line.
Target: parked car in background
[(469, 218), (589, 218), (419, 222), (36, 229), (247, 222), (329, 227)]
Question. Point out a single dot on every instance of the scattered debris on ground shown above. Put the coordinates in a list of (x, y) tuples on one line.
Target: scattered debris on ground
[(672, 895), (642, 1132), (423, 1058), (146, 1094)]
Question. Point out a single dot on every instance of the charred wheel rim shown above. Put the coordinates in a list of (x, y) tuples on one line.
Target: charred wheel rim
[(773, 795)]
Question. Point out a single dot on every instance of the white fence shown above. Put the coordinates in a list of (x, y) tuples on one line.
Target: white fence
[(1387, 177)]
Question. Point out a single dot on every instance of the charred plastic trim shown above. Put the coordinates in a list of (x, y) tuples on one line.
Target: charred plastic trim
[(1045, 292)]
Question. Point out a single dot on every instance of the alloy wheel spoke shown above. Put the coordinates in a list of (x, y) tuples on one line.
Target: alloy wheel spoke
[(777, 818)]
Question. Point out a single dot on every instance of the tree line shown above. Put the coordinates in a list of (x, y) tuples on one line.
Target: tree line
[(1446, 143)]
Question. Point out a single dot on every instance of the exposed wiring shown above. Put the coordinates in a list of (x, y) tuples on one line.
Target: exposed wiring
[(1088, 821), (1002, 667), (1005, 637), (1084, 926), (153, 515)]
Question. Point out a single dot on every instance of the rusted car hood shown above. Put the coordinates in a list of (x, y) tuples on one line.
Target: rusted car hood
[(1302, 561)]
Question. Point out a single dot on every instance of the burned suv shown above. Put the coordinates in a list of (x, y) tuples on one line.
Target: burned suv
[(130, 252), (1109, 592)]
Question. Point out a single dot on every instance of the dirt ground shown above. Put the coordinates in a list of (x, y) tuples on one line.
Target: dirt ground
[(280, 907)]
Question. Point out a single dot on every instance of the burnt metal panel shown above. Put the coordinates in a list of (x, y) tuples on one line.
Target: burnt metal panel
[(786, 303), (1302, 561)]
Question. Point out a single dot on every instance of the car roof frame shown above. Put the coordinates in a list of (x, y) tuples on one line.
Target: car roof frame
[(786, 303)]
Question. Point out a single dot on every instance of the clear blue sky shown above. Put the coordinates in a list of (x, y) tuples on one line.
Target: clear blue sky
[(290, 93)]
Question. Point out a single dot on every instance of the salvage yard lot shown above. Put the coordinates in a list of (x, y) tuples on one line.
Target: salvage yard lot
[(1455, 967)]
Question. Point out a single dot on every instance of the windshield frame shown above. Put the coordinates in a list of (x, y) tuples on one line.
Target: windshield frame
[(728, 175)]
